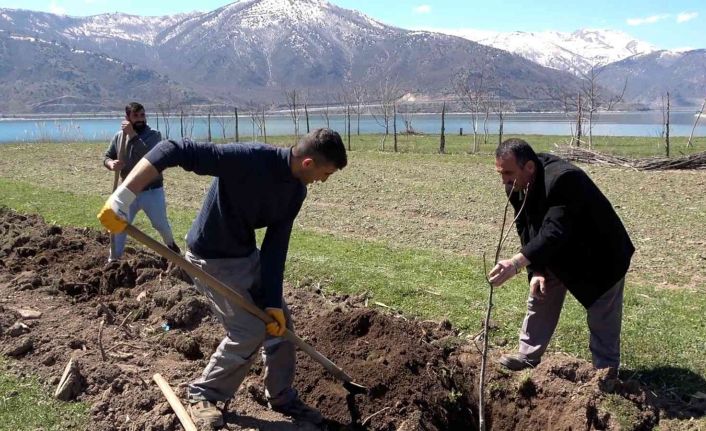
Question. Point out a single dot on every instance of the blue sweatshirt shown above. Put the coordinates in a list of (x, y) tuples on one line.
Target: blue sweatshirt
[(253, 188)]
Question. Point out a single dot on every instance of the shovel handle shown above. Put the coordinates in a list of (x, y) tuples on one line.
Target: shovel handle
[(174, 402), (234, 297), (116, 182), (121, 156)]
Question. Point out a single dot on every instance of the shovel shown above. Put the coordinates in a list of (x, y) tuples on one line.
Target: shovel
[(215, 284), (116, 181)]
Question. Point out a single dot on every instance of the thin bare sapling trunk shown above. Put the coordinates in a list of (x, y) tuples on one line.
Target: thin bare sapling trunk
[(484, 358)]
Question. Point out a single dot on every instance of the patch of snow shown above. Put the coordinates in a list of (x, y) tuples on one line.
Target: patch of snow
[(576, 52), (26, 38)]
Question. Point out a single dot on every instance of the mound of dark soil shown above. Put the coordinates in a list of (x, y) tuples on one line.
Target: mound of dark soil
[(123, 322)]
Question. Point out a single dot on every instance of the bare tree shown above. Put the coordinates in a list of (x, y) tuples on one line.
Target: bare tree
[(209, 138), (293, 100), (344, 99), (165, 105), (470, 87), (487, 107), (188, 121), (258, 117), (500, 107), (407, 115), (348, 123), (181, 121), (394, 124), (235, 115), (358, 99), (252, 113), (306, 114), (263, 122), (582, 103), (486, 323), (579, 116), (222, 121), (233, 101), (442, 139), (696, 121), (389, 93), (325, 111), (665, 122), (596, 98)]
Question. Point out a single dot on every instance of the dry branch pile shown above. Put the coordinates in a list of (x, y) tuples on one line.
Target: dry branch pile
[(582, 155)]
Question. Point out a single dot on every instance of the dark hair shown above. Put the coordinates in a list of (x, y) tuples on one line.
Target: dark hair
[(519, 148), (133, 107), (325, 143)]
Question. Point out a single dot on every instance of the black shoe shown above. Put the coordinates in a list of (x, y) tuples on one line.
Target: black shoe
[(296, 409), (516, 362)]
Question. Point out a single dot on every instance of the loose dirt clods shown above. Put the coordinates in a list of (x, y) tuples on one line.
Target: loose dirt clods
[(421, 375)]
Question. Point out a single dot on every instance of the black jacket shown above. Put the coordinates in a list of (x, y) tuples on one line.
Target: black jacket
[(569, 228)]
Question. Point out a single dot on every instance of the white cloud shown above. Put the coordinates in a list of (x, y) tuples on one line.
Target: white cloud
[(686, 16), (55, 8), (647, 20), (424, 8)]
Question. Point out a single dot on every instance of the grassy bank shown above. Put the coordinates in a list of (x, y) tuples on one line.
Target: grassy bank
[(445, 203), (434, 284), (410, 229), (456, 144), (25, 404)]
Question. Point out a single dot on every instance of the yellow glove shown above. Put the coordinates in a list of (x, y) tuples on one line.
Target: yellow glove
[(276, 328), (114, 214)]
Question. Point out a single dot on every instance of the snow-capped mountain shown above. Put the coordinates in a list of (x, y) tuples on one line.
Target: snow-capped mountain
[(650, 76), (110, 26), (48, 76), (254, 49), (576, 52)]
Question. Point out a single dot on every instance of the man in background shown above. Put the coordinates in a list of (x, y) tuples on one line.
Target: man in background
[(139, 139)]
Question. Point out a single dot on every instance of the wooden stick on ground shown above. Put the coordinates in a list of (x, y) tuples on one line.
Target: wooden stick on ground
[(366, 420), (100, 339), (691, 161), (174, 402)]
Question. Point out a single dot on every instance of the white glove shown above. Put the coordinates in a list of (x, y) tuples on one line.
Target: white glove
[(114, 214)]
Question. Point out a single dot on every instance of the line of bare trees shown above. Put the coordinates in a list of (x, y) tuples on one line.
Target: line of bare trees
[(473, 89), (586, 102)]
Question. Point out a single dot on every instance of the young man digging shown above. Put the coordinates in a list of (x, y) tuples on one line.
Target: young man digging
[(139, 139), (573, 240), (255, 186)]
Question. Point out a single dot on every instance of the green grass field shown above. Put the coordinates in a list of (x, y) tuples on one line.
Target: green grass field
[(411, 228), (25, 405)]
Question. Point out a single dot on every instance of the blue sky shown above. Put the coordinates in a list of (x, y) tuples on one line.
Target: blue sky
[(665, 24)]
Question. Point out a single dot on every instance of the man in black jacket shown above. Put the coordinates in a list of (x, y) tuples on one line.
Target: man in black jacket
[(573, 240)]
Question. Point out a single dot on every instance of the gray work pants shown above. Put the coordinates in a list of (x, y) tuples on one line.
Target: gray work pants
[(604, 323), (245, 334)]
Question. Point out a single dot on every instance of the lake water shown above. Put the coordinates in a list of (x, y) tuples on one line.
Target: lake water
[(646, 123)]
